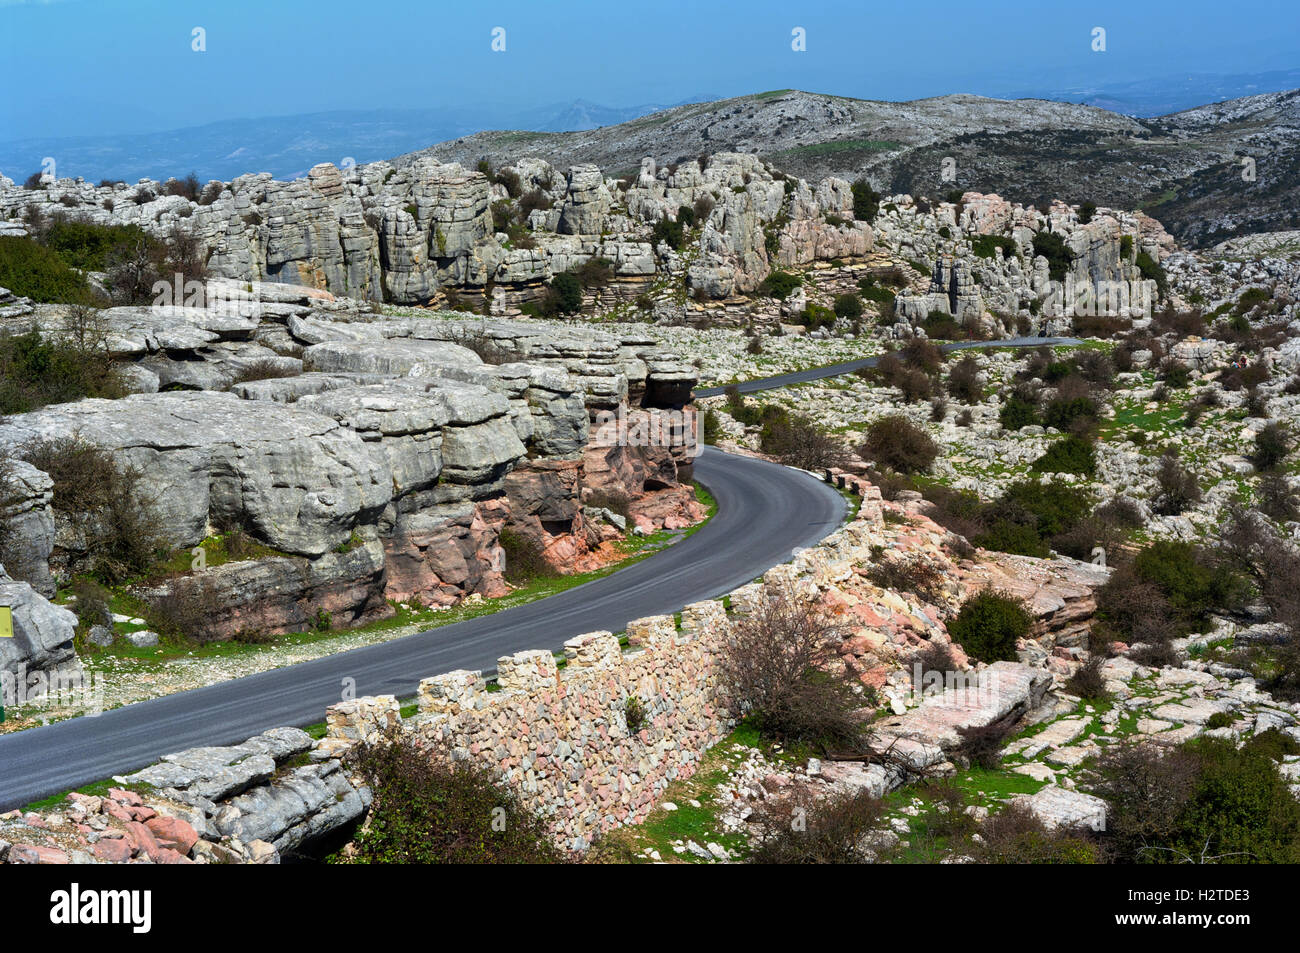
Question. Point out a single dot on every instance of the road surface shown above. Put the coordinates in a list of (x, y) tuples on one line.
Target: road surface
[(765, 511)]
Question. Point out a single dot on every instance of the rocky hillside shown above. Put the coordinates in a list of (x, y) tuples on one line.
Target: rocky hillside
[(1184, 168)]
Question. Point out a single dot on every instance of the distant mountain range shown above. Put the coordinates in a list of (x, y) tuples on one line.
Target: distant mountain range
[(1188, 169), (287, 146), (1169, 94)]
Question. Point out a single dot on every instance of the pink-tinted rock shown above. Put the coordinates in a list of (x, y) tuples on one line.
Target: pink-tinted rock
[(31, 854), (115, 851), (142, 839), (174, 833)]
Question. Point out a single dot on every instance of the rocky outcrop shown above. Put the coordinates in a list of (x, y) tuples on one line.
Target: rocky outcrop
[(409, 233), (27, 524), (384, 458), (255, 802), (297, 481), (985, 269), (42, 641)]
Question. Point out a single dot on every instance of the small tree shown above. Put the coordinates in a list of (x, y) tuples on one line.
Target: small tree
[(774, 665), (798, 442), (1178, 488), (808, 830), (866, 201), (1272, 444)]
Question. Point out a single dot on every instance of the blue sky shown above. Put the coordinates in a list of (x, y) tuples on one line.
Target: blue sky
[(115, 66)]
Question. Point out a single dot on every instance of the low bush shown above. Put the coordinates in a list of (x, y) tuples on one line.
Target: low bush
[(1071, 455), (988, 625), (1272, 444), (431, 809), (1177, 487), (30, 270), (797, 441), (1017, 412), (1016, 835), (964, 381), (106, 503), (1207, 801), (981, 745), (808, 830), (848, 306), (525, 560), (897, 443), (779, 285), (1088, 682), (39, 368), (914, 574)]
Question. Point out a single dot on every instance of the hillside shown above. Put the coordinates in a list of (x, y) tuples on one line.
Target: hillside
[(1184, 169)]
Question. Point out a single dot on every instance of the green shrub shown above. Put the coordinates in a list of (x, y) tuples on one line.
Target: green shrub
[(942, 327), (105, 503), (986, 246), (1056, 507), (568, 292), (1071, 455), (30, 270), (635, 713), (88, 246), (37, 369), (816, 316), (431, 809), (669, 232), (1086, 211), (1052, 247), (988, 625), (779, 284), (1016, 413), (1205, 802), (1190, 579), (1151, 270), (1062, 413), (866, 201), (848, 306)]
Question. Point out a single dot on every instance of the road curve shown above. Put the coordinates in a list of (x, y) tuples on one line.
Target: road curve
[(848, 367), (764, 512)]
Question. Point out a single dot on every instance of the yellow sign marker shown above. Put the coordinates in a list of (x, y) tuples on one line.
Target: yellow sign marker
[(6, 622)]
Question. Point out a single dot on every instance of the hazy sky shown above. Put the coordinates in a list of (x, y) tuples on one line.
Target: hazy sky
[(96, 66)]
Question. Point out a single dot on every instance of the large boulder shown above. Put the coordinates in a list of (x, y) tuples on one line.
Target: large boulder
[(297, 481), (42, 639), (27, 524)]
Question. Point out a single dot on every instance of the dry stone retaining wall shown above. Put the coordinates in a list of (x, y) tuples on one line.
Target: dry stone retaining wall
[(560, 736)]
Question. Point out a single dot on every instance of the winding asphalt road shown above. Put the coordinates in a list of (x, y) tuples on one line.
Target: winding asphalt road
[(848, 367), (765, 511)]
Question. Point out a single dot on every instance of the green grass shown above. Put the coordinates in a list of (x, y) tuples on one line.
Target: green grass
[(839, 147), (688, 822)]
